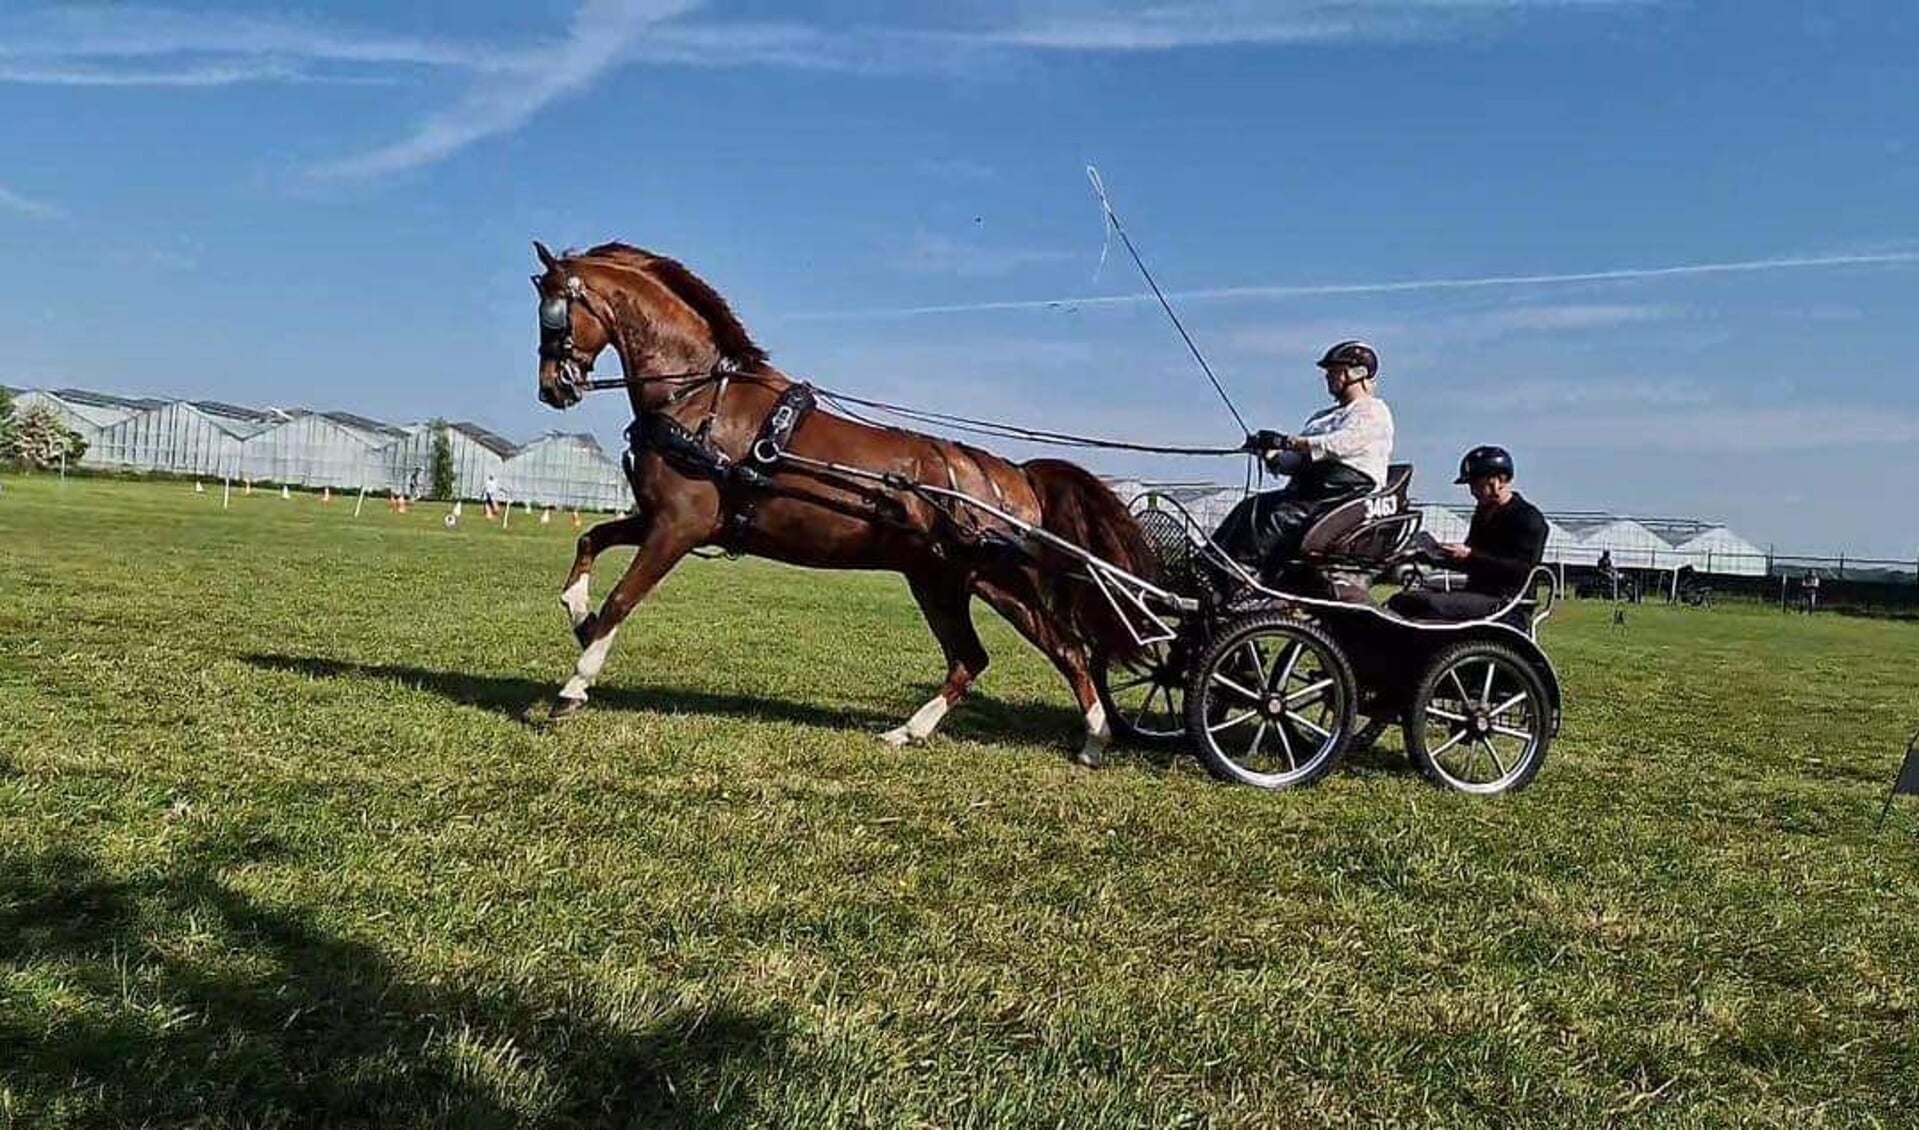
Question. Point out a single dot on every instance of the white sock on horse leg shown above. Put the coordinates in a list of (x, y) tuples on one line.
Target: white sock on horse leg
[(923, 722), (575, 599), (1098, 733), (588, 668)]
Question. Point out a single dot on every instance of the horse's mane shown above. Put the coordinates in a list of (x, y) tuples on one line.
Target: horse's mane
[(735, 344)]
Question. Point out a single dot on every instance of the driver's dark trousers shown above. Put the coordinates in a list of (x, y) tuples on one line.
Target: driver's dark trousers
[(1421, 604), (1266, 529)]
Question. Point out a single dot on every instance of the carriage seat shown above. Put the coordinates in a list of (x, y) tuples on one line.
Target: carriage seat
[(1370, 528)]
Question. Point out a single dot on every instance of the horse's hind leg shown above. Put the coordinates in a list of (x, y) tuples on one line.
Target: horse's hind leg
[(1017, 598), (945, 600), (662, 548), (599, 538)]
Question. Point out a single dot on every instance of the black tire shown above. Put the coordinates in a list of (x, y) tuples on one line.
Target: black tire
[(1219, 700), (1144, 696), (1455, 708)]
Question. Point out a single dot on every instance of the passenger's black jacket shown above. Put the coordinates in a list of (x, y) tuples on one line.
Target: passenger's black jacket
[(1507, 544)]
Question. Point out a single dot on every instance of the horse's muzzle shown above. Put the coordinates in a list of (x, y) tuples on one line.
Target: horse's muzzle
[(560, 385)]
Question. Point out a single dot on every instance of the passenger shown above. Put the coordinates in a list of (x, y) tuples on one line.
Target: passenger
[(1340, 453), (1503, 546)]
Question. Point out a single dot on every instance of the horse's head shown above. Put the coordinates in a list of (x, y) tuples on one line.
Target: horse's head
[(575, 328), (664, 320)]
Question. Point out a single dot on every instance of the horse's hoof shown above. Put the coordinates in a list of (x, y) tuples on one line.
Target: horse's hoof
[(564, 708), (898, 739), (1091, 757)]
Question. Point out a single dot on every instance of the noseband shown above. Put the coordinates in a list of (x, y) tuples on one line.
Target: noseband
[(556, 345), (556, 336)]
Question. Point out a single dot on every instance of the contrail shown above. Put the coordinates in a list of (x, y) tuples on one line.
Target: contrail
[(1738, 266)]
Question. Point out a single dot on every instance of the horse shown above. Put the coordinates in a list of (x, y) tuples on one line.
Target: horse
[(729, 453)]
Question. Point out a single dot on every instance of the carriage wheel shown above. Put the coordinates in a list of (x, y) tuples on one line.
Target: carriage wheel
[(1479, 721), (1270, 703), (1144, 695)]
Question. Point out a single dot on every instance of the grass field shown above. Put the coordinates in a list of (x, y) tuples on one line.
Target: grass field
[(275, 848)]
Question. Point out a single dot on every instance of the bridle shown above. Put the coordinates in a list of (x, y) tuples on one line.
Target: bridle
[(556, 345), (556, 337)]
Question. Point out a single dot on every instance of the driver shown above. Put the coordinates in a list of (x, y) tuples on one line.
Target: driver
[(1505, 543), (1340, 453)]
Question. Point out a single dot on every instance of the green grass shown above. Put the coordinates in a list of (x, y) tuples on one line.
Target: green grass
[(275, 848)]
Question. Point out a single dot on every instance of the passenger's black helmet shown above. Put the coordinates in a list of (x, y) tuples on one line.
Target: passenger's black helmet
[(1482, 461), (1351, 355)]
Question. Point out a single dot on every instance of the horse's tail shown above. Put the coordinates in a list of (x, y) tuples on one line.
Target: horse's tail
[(1076, 506)]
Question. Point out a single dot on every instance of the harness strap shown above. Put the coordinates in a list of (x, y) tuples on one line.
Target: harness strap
[(743, 481), (755, 472)]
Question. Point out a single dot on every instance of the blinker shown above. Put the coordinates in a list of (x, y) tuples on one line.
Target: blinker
[(556, 314)]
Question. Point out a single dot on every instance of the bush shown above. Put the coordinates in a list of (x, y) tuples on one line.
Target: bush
[(442, 462), (38, 439)]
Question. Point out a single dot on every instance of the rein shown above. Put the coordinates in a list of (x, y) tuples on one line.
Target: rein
[(991, 428)]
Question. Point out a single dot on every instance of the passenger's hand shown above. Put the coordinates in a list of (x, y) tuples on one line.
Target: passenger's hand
[(1265, 440), (1455, 551)]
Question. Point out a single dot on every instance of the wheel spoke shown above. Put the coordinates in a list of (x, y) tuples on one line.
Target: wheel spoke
[(1280, 679), (1144, 707), (1494, 754), (1242, 692), (1315, 727), (1459, 735), (1286, 743), (1465, 696), (1231, 722), (1486, 696), (1259, 662), (1508, 731), (1442, 712), (1259, 736), (1502, 708), (1304, 693)]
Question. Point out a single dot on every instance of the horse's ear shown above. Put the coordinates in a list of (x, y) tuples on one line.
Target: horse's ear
[(537, 279), (546, 256)]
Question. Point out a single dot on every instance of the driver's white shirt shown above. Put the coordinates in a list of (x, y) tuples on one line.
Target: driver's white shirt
[(1359, 435)]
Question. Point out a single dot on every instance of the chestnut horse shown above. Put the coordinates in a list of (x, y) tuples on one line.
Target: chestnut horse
[(694, 376)]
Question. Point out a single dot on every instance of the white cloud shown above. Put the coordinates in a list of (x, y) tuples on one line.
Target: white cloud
[(1401, 286), (12, 201), (955, 169), (1289, 341), (103, 33), (502, 101), (933, 253), (132, 45)]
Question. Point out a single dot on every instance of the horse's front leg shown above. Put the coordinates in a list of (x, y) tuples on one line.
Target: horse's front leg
[(661, 549), (630, 530)]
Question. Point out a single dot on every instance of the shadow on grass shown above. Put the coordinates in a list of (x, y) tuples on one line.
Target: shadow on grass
[(168, 998), (981, 718)]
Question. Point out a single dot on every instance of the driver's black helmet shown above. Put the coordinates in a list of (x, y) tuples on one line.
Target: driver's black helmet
[(1351, 355), (1485, 460)]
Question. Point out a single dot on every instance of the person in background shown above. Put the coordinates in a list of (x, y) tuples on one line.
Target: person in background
[(490, 497), (1503, 546)]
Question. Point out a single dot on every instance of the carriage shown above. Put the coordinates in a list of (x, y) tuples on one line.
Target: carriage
[(1265, 674), (1271, 677)]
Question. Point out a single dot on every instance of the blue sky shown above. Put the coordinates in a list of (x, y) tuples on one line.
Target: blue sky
[(331, 206)]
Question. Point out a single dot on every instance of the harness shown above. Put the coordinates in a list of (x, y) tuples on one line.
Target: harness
[(743, 482)]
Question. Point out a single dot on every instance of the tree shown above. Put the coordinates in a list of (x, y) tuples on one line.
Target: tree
[(442, 462), (6, 422), (39, 439)]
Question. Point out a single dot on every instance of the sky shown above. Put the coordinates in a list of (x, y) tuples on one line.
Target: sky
[(1666, 252)]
